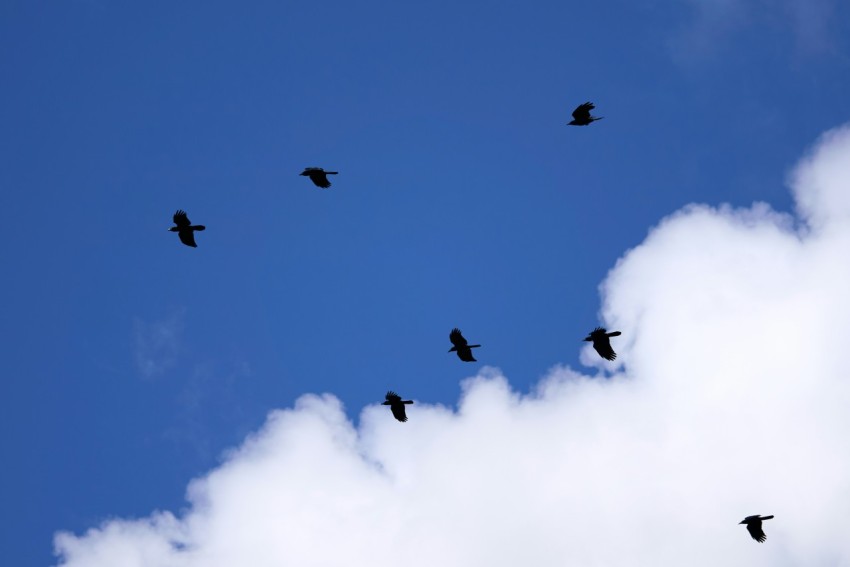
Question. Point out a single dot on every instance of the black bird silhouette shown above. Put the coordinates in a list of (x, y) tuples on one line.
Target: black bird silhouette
[(599, 336), (396, 405), (319, 176), (581, 115), (184, 229), (754, 526), (464, 351)]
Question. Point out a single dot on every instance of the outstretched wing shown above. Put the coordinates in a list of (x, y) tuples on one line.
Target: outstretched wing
[(465, 354), (393, 397), (320, 179), (457, 339), (755, 530), (187, 237), (582, 111), (180, 219), (602, 345), (398, 411)]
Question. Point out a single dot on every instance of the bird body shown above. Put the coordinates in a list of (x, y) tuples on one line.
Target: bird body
[(319, 176), (396, 405), (463, 350), (581, 115), (601, 344), (185, 229), (753, 524)]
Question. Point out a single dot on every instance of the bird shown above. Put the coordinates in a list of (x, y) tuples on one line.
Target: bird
[(396, 405), (319, 176), (754, 526), (600, 336), (464, 351), (581, 115), (185, 229)]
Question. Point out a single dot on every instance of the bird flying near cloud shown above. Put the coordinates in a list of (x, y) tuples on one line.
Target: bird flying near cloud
[(601, 342), (464, 351), (319, 176), (581, 115), (754, 526), (185, 229), (396, 405)]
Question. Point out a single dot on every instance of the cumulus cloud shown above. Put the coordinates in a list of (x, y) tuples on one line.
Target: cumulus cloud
[(729, 398)]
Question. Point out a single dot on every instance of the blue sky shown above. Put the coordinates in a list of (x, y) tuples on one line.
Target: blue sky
[(463, 199)]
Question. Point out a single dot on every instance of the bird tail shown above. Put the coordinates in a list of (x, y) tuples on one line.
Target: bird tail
[(767, 517), (473, 346), (598, 117), (198, 227), (411, 401), (613, 334), (331, 172)]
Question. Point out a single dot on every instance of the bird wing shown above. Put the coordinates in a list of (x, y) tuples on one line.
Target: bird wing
[(603, 346), (457, 339), (320, 179), (180, 219), (582, 111), (755, 530), (187, 237), (392, 397), (398, 411), (465, 354)]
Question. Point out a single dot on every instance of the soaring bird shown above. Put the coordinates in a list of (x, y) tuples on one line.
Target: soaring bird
[(319, 176), (581, 115), (185, 229), (600, 336), (464, 351), (396, 405), (754, 526)]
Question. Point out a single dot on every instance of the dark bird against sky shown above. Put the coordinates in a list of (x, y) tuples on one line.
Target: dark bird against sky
[(464, 351), (319, 176), (581, 115), (754, 526), (600, 337), (184, 229), (396, 405)]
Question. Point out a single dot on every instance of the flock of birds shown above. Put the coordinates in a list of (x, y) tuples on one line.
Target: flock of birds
[(599, 336)]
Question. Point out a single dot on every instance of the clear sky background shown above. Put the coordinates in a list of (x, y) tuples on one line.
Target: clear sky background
[(131, 362)]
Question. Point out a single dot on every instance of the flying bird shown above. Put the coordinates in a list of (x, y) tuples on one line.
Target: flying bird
[(464, 351), (396, 405), (754, 526), (581, 115), (601, 344), (185, 229), (319, 176)]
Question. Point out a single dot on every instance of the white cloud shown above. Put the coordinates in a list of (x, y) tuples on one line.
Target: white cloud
[(809, 23), (730, 398), (157, 343)]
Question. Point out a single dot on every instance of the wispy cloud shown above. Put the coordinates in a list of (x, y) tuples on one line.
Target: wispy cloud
[(810, 25), (157, 343), (729, 398)]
